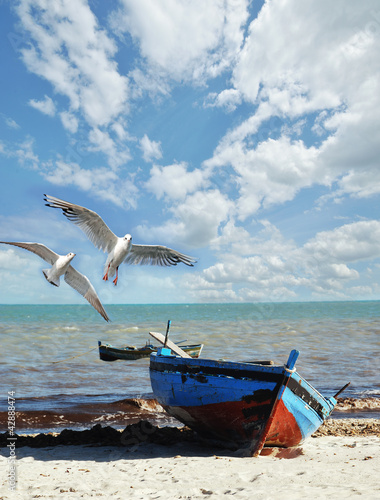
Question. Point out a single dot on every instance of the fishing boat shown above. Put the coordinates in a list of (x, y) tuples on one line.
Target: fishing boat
[(108, 352), (245, 404)]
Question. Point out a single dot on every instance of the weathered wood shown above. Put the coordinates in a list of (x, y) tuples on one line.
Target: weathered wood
[(266, 362), (170, 344)]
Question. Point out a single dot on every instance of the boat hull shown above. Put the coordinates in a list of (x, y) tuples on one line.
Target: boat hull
[(243, 404), (129, 353)]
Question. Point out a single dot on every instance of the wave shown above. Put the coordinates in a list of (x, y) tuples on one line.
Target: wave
[(118, 413), (354, 404)]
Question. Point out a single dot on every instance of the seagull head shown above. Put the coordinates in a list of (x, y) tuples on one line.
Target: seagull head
[(70, 256), (127, 237)]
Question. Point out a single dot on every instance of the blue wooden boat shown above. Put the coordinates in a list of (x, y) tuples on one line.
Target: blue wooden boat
[(248, 405)]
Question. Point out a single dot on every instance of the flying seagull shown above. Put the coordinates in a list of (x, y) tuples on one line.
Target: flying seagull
[(119, 249), (61, 267)]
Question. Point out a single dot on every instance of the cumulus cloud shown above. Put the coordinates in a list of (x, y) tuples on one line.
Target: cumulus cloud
[(186, 40), (151, 149), (195, 220), (290, 79), (272, 173), (348, 243), (295, 83), (69, 49), (46, 106), (268, 265), (101, 141), (228, 99), (25, 155), (174, 181), (69, 121), (71, 52), (102, 182)]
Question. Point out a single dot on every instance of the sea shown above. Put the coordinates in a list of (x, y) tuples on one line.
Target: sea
[(52, 377)]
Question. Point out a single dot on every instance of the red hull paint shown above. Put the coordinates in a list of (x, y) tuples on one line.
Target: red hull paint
[(236, 421), (226, 420), (284, 430)]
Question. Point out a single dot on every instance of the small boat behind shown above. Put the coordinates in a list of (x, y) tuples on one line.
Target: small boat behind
[(248, 405), (108, 352)]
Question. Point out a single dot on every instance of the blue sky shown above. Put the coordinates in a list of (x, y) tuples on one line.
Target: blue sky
[(246, 134)]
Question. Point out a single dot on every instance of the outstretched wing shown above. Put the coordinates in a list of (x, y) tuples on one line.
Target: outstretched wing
[(82, 284), (157, 255), (37, 248), (90, 222)]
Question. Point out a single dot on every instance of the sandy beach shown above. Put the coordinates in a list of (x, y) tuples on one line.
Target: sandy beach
[(341, 461)]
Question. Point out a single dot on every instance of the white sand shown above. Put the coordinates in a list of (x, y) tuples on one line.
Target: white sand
[(330, 467)]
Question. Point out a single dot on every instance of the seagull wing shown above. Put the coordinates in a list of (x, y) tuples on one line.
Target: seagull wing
[(44, 252), (82, 284), (90, 222), (157, 255)]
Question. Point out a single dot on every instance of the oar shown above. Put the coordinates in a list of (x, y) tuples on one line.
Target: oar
[(341, 390), (167, 333), (171, 345)]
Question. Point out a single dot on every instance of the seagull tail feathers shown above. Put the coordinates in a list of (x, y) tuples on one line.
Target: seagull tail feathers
[(53, 282)]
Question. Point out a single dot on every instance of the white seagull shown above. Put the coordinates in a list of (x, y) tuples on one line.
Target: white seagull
[(61, 267), (119, 249)]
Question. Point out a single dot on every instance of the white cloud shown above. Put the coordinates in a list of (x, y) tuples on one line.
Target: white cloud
[(119, 128), (186, 40), (150, 80), (267, 265), (25, 154), (195, 222), (174, 181), (151, 149), (46, 106), (101, 141), (334, 72), (102, 182), (308, 75), (348, 243), (69, 121), (228, 98), (270, 174), (70, 51)]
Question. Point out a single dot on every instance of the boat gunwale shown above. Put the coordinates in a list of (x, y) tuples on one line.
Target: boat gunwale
[(210, 366), (141, 349)]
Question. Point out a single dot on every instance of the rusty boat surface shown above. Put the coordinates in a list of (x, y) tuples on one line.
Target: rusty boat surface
[(248, 405)]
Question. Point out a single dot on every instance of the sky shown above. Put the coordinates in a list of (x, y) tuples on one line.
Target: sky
[(243, 133)]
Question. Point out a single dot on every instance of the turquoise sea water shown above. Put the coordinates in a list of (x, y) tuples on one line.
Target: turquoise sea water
[(51, 352)]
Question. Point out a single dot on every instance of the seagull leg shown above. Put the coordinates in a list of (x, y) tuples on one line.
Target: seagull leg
[(105, 277), (115, 280)]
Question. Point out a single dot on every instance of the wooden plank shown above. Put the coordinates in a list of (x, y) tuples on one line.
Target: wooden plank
[(170, 344)]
